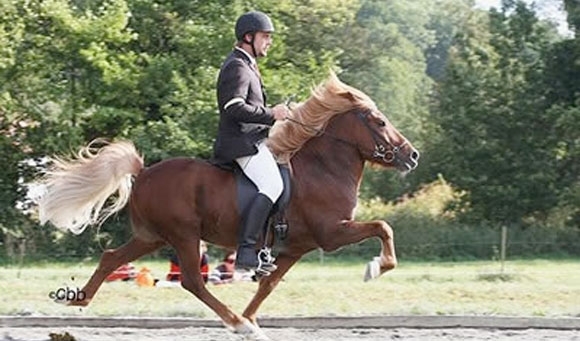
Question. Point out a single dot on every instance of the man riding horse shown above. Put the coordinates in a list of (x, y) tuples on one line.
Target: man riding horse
[(327, 140), (245, 121)]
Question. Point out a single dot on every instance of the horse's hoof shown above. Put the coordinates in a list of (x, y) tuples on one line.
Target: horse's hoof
[(82, 303), (73, 303), (257, 337), (78, 303), (250, 331), (373, 269)]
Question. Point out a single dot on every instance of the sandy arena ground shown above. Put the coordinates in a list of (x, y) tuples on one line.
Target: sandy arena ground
[(407, 328), (288, 334)]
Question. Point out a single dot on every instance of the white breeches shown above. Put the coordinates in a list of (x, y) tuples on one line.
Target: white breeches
[(263, 170)]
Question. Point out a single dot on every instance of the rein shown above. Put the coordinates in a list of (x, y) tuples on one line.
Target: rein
[(379, 152)]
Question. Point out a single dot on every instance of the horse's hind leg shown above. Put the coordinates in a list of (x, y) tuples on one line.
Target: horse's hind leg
[(111, 260)]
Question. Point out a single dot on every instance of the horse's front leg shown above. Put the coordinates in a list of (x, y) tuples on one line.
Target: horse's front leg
[(189, 259), (350, 232), (267, 285)]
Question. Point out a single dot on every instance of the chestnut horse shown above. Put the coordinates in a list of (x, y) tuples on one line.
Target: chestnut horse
[(180, 201)]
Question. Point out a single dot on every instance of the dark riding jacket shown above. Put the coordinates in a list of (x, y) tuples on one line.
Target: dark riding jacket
[(244, 118)]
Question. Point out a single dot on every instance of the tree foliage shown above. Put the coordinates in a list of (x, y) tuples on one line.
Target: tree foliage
[(489, 98), (500, 140)]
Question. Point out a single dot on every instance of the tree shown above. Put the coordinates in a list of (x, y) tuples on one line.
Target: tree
[(495, 134), (562, 89), (139, 69), (572, 7), (395, 52)]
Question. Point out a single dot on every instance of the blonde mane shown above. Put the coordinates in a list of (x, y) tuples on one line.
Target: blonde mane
[(327, 100)]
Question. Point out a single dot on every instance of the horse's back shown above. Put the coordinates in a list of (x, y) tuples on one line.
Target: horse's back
[(181, 170), (178, 196)]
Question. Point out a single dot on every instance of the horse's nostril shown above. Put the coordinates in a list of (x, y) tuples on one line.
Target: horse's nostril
[(415, 155)]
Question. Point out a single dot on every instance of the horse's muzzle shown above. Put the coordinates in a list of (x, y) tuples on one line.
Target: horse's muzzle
[(413, 160)]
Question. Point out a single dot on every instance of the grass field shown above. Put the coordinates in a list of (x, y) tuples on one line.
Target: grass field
[(525, 288)]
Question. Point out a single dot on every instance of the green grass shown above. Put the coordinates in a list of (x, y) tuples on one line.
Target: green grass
[(548, 288)]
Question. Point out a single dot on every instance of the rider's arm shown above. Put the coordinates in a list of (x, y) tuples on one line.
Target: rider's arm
[(233, 90)]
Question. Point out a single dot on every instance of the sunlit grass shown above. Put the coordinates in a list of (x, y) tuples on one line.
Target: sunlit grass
[(524, 288)]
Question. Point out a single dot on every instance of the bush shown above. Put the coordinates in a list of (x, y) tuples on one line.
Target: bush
[(425, 230)]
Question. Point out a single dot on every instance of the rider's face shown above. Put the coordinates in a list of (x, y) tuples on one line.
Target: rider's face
[(262, 42)]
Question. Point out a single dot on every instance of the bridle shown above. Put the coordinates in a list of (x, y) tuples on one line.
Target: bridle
[(379, 153)]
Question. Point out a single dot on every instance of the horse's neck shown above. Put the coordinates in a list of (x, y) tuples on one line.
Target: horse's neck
[(330, 163)]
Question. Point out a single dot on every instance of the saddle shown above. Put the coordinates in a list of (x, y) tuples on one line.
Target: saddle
[(247, 191)]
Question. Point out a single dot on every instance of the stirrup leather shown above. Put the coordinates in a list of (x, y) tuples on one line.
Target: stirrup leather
[(281, 229)]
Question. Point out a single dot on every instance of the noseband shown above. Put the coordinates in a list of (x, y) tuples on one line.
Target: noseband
[(379, 153)]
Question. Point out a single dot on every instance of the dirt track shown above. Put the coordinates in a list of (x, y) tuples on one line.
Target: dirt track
[(288, 334), (320, 329)]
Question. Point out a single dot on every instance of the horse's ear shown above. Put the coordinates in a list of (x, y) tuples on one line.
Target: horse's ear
[(348, 95)]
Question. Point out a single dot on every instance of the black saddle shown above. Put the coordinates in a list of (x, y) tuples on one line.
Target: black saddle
[(247, 191)]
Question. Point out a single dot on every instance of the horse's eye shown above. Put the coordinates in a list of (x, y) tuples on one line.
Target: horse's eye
[(382, 123)]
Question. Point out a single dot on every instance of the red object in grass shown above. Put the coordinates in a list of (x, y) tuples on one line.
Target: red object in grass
[(125, 272)]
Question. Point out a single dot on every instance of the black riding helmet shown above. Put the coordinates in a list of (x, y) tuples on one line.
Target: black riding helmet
[(252, 22)]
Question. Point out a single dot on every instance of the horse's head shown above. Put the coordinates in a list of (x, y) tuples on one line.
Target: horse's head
[(346, 114), (380, 142)]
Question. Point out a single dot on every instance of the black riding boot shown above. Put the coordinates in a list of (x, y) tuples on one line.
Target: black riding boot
[(249, 235)]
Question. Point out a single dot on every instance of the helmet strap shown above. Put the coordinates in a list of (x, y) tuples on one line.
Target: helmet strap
[(251, 43)]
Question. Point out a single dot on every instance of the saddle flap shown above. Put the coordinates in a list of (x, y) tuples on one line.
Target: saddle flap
[(247, 191)]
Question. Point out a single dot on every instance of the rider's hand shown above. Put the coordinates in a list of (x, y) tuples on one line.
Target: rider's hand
[(280, 112)]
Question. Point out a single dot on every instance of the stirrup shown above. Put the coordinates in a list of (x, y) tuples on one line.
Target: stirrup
[(265, 262)]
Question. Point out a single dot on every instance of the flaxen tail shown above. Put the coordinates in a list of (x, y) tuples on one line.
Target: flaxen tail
[(79, 191)]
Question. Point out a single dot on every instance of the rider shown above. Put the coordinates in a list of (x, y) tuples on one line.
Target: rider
[(244, 124)]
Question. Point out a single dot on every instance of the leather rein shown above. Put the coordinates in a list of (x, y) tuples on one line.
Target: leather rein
[(380, 152)]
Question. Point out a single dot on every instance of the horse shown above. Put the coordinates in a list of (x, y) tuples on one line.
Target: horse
[(325, 141)]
